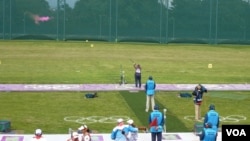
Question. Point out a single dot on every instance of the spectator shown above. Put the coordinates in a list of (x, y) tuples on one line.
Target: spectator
[(208, 134), (137, 75), (198, 95), (86, 135), (83, 131), (156, 122), (38, 136), (132, 131), (150, 93), (74, 137), (119, 133)]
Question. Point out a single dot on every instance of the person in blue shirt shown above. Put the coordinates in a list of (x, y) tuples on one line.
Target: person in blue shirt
[(132, 131), (212, 117), (198, 95), (150, 93), (208, 134), (119, 132), (156, 121)]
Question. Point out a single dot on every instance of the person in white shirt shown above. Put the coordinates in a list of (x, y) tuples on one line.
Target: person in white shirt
[(86, 135), (74, 137), (38, 136)]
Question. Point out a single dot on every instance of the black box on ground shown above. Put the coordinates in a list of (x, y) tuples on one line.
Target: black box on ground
[(4, 125)]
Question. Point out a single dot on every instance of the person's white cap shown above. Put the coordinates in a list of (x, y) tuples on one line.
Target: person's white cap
[(75, 135), (82, 127), (130, 121), (38, 132), (120, 120)]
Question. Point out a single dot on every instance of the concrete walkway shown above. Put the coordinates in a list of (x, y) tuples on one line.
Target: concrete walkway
[(117, 87)]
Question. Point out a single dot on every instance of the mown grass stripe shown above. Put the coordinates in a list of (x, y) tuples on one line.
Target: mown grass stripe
[(136, 101)]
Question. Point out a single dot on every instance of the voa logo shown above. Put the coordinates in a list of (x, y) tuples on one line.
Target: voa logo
[(236, 132)]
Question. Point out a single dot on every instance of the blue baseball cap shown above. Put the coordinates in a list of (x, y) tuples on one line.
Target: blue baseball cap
[(156, 107), (211, 107)]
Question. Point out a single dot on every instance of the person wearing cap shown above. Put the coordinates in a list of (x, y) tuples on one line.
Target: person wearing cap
[(132, 131), (38, 136), (82, 128), (198, 95), (74, 137), (137, 75), (119, 132), (208, 134), (80, 132), (84, 133), (156, 123), (212, 117), (150, 93)]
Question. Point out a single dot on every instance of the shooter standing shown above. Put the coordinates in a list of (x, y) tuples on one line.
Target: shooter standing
[(137, 75)]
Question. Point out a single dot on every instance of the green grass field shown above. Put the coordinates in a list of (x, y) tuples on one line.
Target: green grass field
[(43, 62), (78, 62)]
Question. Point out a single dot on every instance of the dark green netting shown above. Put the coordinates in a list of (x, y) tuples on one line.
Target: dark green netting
[(162, 21)]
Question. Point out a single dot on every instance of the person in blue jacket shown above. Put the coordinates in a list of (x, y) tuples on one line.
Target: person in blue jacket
[(132, 131), (208, 134), (119, 131), (198, 95), (156, 122), (212, 117), (150, 93)]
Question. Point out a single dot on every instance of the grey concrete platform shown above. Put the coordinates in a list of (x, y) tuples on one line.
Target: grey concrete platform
[(117, 87)]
